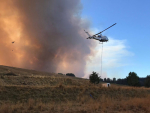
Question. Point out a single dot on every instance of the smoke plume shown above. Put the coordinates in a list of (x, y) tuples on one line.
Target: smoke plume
[(48, 35)]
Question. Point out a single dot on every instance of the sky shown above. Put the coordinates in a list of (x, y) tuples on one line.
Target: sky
[(128, 47), (49, 36)]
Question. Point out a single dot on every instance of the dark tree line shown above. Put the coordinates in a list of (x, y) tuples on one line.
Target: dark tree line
[(147, 81), (132, 80), (117, 81)]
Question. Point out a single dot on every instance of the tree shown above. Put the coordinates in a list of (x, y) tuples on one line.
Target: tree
[(108, 80), (147, 81), (122, 81), (104, 79), (94, 78), (101, 80), (114, 79), (133, 79)]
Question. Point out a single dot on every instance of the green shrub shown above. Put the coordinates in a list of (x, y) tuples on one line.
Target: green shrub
[(94, 78)]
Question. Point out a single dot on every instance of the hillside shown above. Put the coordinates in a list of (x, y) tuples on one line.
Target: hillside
[(19, 71), (18, 76), (30, 91)]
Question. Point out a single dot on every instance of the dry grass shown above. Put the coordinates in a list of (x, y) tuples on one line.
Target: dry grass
[(104, 105), (52, 93), (71, 99)]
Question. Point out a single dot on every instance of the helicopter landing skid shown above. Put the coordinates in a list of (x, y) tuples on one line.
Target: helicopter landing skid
[(100, 43)]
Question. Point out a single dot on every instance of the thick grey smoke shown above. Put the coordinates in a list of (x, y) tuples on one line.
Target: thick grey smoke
[(48, 35)]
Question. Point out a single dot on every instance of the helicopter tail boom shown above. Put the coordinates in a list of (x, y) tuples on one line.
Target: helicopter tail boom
[(88, 35)]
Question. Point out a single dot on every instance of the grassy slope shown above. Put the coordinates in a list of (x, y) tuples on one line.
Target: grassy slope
[(32, 91)]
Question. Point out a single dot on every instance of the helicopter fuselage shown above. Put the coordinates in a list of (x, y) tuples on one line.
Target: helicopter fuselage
[(100, 38)]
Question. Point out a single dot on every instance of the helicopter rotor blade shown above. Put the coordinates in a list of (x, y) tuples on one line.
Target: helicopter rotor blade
[(105, 29)]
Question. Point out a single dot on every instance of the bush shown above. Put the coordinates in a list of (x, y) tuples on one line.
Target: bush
[(94, 78), (70, 74), (10, 74), (147, 81), (2, 77)]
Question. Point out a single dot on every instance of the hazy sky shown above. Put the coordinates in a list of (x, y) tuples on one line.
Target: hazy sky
[(49, 36), (129, 40)]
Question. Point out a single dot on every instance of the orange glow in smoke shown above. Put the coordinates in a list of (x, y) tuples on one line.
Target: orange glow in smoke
[(41, 40)]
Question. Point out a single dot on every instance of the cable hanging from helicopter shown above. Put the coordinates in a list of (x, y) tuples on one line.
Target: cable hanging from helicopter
[(100, 38)]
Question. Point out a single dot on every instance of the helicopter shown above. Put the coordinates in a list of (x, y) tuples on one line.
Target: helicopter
[(99, 36)]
